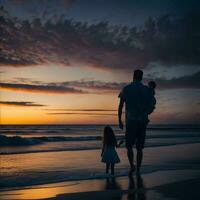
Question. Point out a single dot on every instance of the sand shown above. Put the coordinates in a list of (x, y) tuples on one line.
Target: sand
[(172, 184), (182, 182)]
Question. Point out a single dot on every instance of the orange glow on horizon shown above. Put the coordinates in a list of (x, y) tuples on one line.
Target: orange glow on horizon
[(17, 115)]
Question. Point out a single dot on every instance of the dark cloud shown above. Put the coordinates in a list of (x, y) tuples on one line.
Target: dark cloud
[(20, 103), (95, 85), (189, 81), (40, 88), (99, 87), (84, 110), (72, 113), (66, 3), (177, 117), (167, 40)]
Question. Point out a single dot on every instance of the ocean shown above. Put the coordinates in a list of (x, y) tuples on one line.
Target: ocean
[(37, 154)]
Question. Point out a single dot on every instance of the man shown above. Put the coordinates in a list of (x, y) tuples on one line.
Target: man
[(138, 99)]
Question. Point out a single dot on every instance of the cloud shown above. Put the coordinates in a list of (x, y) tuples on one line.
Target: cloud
[(99, 87), (167, 40), (20, 103), (176, 117), (189, 81), (66, 3), (74, 87), (53, 89), (86, 109), (80, 113)]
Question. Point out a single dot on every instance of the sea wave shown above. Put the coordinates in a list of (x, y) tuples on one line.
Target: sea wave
[(81, 129), (22, 141), (92, 147)]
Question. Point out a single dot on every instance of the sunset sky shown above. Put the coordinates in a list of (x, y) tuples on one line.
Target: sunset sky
[(65, 61)]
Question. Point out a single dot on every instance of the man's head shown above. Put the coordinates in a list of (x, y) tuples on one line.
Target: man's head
[(138, 74)]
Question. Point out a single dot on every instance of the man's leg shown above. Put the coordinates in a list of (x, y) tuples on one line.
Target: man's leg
[(130, 157), (130, 140), (140, 140), (139, 159)]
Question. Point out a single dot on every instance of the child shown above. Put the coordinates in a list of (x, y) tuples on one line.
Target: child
[(152, 87), (109, 154)]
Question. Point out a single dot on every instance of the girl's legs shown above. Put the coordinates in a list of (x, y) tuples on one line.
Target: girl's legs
[(107, 167), (112, 169)]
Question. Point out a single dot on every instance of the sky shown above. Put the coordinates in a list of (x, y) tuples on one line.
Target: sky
[(65, 61)]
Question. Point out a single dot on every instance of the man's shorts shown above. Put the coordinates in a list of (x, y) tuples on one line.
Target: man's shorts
[(135, 134)]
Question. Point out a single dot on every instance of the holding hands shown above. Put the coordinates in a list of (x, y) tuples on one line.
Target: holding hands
[(121, 142)]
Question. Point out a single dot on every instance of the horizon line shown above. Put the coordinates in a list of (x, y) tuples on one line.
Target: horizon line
[(52, 124)]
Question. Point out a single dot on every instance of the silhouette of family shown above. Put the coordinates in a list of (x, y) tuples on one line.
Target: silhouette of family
[(139, 101)]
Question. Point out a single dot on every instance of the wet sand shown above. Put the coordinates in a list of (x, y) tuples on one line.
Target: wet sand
[(172, 184)]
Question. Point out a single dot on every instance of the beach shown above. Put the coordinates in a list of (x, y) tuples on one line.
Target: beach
[(99, 100), (78, 174)]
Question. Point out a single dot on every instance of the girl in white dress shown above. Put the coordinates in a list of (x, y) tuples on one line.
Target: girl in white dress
[(109, 154)]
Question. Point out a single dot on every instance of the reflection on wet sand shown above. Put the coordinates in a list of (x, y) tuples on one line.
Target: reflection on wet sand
[(134, 191), (112, 184)]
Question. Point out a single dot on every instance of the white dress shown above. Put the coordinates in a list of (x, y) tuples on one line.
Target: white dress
[(110, 155)]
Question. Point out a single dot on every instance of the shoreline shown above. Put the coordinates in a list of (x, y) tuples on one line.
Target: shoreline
[(96, 148)]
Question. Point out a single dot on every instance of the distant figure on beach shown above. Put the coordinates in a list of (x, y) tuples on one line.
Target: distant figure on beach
[(140, 102), (109, 154)]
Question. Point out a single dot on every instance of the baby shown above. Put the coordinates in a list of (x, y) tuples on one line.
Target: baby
[(152, 86)]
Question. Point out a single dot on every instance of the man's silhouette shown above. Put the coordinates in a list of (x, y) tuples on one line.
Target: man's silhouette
[(138, 99)]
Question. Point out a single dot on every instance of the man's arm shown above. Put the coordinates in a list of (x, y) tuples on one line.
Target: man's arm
[(120, 108)]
